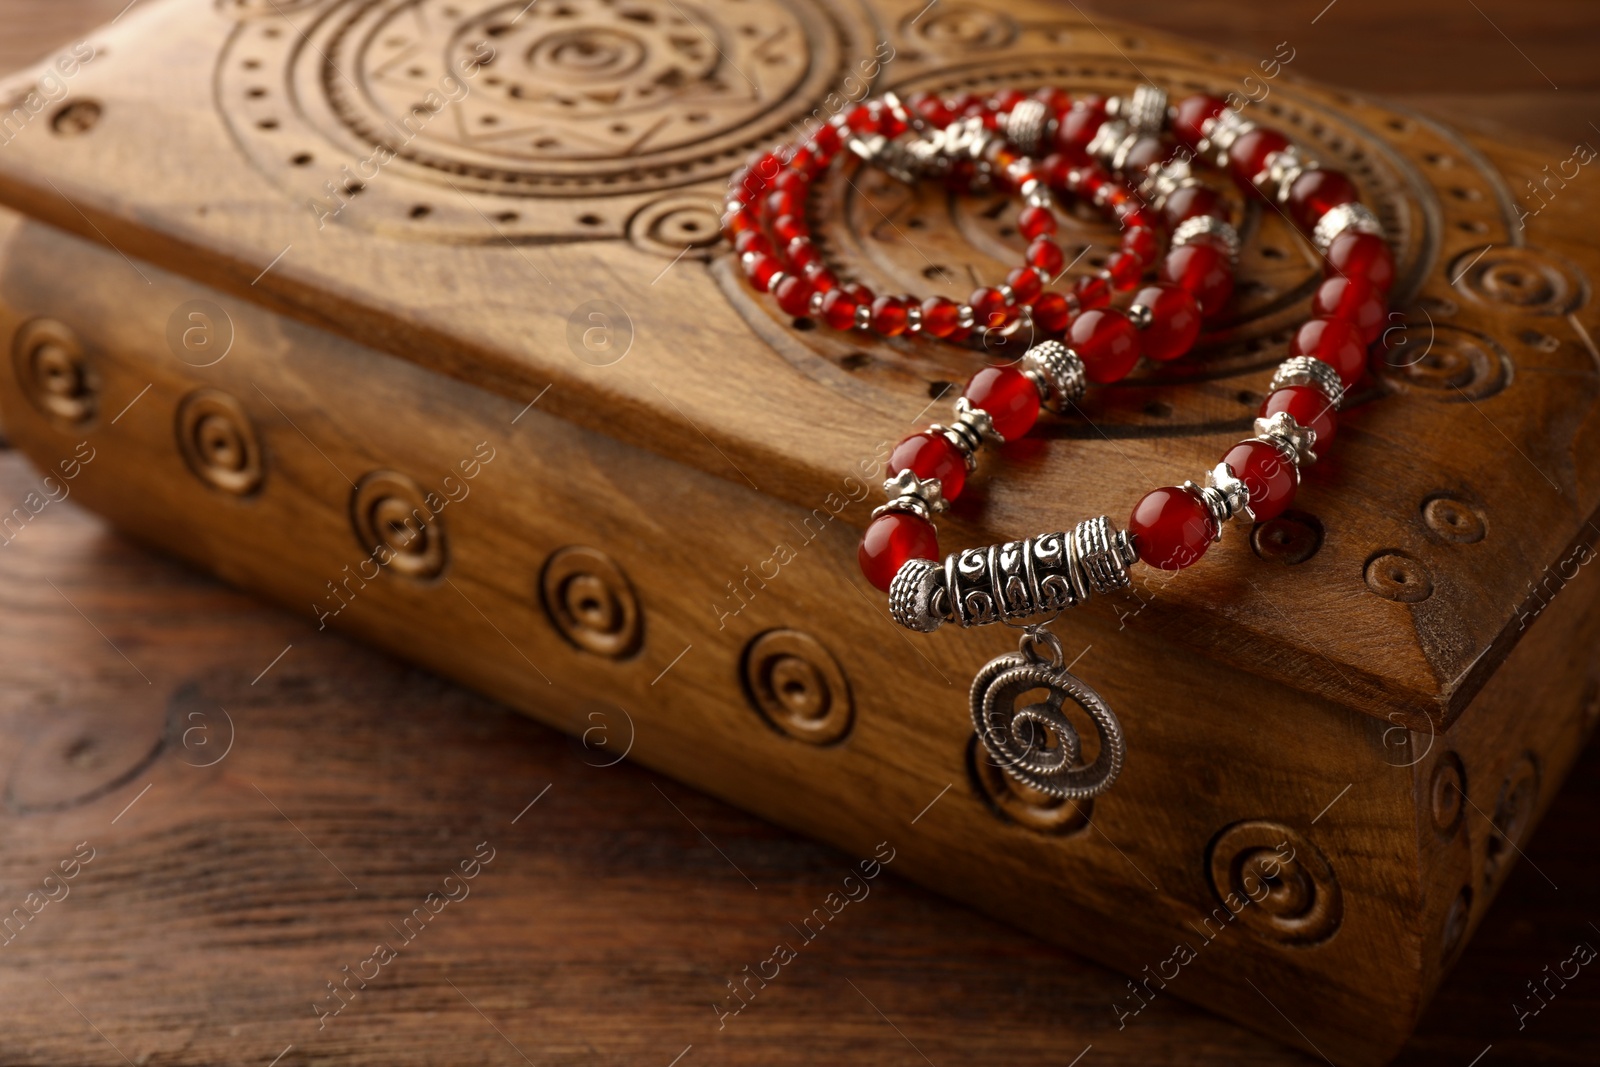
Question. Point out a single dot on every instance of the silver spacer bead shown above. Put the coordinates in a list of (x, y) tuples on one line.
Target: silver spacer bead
[(1216, 506), (773, 282), (1190, 230), (1161, 180), (816, 302), (1104, 555), (1293, 441), (918, 599), (914, 318), (863, 317), (1142, 317), (907, 492), (1345, 218), (966, 318), (1309, 370), (1235, 494), (1006, 292), (1221, 132), (1057, 372), (1026, 126), (1147, 110), (977, 421), (1282, 170), (1036, 193)]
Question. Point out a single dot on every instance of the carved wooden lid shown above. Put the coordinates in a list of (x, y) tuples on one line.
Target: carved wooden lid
[(322, 159)]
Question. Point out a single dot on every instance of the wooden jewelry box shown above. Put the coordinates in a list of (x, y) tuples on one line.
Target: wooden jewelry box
[(301, 275)]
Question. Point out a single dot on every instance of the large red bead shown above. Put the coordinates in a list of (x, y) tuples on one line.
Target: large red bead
[(1317, 192), (1355, 300), (1193, 111), (760, 268), (1204, 270), (1036, 221), (1267, 476), (1334, 341), (1191, 201), (1107, 342), (1174, 321), (1046, 255), (1309, 407), (1140, 241), (1077, 128), (889, 316), (931, 455), (1247, 156), (839, 309), (940, 316), (1171, 528), (891, 539), (1362, 255), (1010, 398), (1025, 284), (794, 295)]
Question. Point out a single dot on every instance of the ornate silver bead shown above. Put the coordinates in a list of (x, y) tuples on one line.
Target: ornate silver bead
[(1282, 170), (1104, 555), (816, 302), (1220, 134), (863, 317), (914, 318), (1234, 494), (1058, 374), (1309, 370), (1028, 126), (1163, 179), (1190, 230), (1293, 441), (1147, 110), (977, 420), (907, 492), (1019, 579), (917, 596), (1344, 219)]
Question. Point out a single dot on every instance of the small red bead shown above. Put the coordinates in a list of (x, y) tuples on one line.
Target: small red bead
[(889, 316), (931, 455), (786, 228), (989, 309), (1203, 269), (738, 222), (1268, 477), (792, 180), (1050, 313), (1125, 271), (794, 295), (1171, 528), (862, 119), (1174, 321), (1025, 284), (759, 269), (1309, 407), (821, 278), (1363, 255), (931, 108), (1140, 241), (1047, 256), (752, 241), (940, 317), (1076, 129), (1317, 192), (1006, 99), (1036, 221), (1247, 156), (778, 202), (826, 140), (1192, 201), (1010, 398), (891, 540), (1334, 341), (1356, 301), (801, 253), (1092, 291), (839, 309), (1193, 112), (1107, 342)]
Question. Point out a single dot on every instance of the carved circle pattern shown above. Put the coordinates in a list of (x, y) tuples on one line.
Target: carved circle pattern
[(1302, 902), (219, 442), (1513, 816), (1394, 575), (591, 602), (1520, 279), (1453, 520), (1455, 363), (471, 120), (1446, 791), (798, 687), (53, 371), (390, 514)]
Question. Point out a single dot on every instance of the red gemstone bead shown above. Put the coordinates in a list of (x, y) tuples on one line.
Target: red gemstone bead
[(1144, 152), (1193, 112), (931, 108), (931, 455), (1050, 313), (735, 223), (892, 539), (1267, 476), (1076, 129), (1107, 342), (786, 228), (1363, 255), (1317, 192), (792, 180), (1309, 407), (1174, 321), (862, 119), (940, 317), (1036, 221), (1247, 156), (1190, 202), (1125, 271), (988, 308), (826, 140), (821, 278), (1092, 291), (1006, 99), (1203, 269), (839, 309), (889, 316), (794, 295), (778, 202), (1171, 528), (752, 241), (1025, 284), (1356, 301), (801, 253), (1010, 398), (1047, 256), (1334, 341), (1140, 241), (759, 269)]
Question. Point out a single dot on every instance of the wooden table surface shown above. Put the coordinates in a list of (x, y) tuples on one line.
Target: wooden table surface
[(264, 803)]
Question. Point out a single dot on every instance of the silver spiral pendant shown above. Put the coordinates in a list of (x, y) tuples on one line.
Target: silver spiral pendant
[(1036, 744)]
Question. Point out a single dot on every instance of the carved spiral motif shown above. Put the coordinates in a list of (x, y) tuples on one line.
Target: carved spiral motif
[(53, 372), (1519, 278), (1453, 364), (389, 512), (590, 600), (1286, 883), (798, 687), (1036, 744), (219, 442)]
